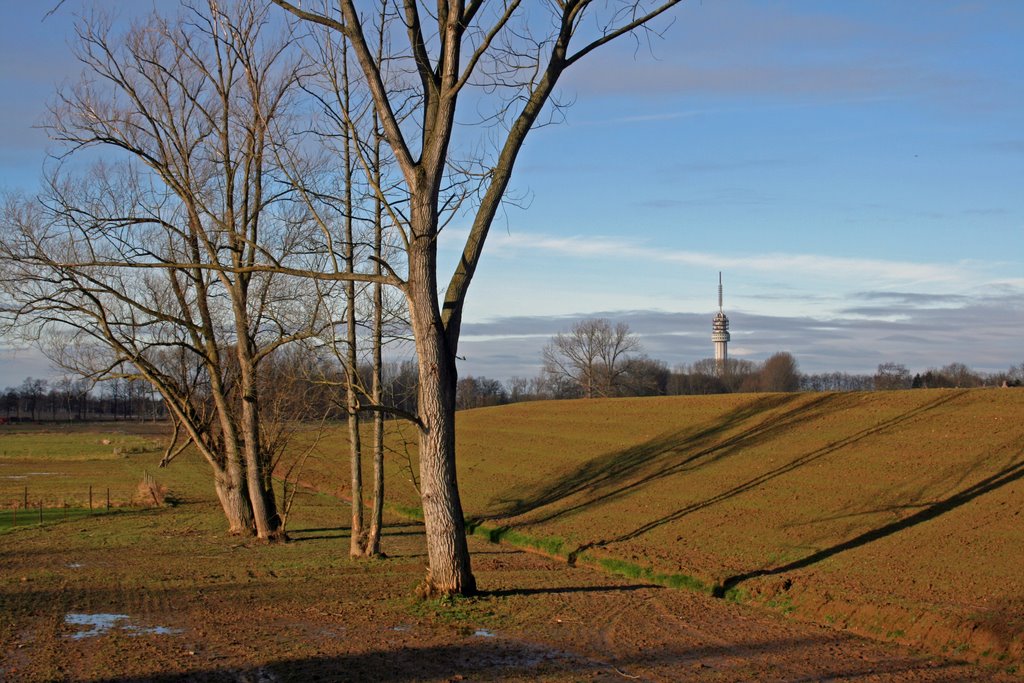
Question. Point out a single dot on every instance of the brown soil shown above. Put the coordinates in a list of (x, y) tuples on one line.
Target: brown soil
[(893, 514), (303, 611)]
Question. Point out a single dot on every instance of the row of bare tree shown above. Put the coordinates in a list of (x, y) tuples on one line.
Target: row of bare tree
[(74, 399), (257, 174)]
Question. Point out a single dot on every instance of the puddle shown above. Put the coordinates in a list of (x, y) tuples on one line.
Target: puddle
[(483, 633), (30, 474), (98, 624)]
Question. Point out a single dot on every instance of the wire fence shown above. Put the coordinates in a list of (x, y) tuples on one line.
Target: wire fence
[(35, 507)]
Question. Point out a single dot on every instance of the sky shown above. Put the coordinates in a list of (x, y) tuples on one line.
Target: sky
[(855, 170)]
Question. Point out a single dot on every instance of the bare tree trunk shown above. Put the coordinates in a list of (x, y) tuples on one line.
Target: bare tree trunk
[(377, 517), (356, 539), (449, 570), (231, 492), (377, 514), (356, 547), (263, 510)]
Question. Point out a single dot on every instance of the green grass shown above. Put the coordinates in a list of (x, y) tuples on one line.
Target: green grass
[(554, 547), (16, 519), (63, 447), (58, 466), (636, 571), (786, 606), (409, 511)]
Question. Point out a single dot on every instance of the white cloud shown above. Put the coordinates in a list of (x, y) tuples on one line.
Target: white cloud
[(812, 265)]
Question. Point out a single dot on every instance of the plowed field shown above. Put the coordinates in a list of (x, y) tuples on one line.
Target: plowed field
[(896, 514)]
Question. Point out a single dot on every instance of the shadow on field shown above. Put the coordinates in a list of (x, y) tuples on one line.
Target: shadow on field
[(1007, 475), (499, 658), (765, 477), (617, 474), (325, 533), (508, 592), (614, 474)]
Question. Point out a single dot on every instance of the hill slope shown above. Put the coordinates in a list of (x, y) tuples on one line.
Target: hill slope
[(897, 514)]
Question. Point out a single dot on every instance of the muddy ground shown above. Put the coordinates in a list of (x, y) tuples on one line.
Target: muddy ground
[(190, 605)]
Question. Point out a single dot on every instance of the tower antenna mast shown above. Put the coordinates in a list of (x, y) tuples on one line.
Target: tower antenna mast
[(720, 333)]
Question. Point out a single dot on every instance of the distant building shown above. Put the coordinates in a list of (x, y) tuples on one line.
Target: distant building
[(720, 332)]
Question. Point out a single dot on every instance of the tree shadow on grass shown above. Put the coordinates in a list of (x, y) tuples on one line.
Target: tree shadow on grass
[(322, 534), (1009, 474), (765, 477), (608, 477), (555, 590), (618, 472)]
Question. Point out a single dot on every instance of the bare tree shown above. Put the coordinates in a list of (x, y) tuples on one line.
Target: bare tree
[(891, 376), (643, 376), (173, 260), (780, 373), (479, 392), (961, 376), (435, 54), (593, 355)]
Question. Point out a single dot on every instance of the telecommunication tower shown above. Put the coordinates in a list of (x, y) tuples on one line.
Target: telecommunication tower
[(720, 333)]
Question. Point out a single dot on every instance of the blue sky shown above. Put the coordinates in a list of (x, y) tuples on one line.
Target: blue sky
[(855, 170)]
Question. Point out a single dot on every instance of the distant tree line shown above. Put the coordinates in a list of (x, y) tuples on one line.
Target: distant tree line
[(70, 399), (610, 372), (954, 375), (598, 358)]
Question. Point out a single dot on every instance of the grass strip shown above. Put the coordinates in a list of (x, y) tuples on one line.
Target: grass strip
[(555, 547), (552, 546), (636, 571)]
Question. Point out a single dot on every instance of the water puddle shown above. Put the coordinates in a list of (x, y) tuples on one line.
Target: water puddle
[(30, 474), (98, 624)]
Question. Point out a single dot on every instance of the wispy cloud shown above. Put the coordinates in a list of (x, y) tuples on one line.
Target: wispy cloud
[(916, 299), (602, 247)]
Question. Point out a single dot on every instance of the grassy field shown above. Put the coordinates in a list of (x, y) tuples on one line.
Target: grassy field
[(57, 464), (896, 515)]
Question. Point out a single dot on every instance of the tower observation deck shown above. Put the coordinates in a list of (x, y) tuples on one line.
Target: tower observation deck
[(720, 332)]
